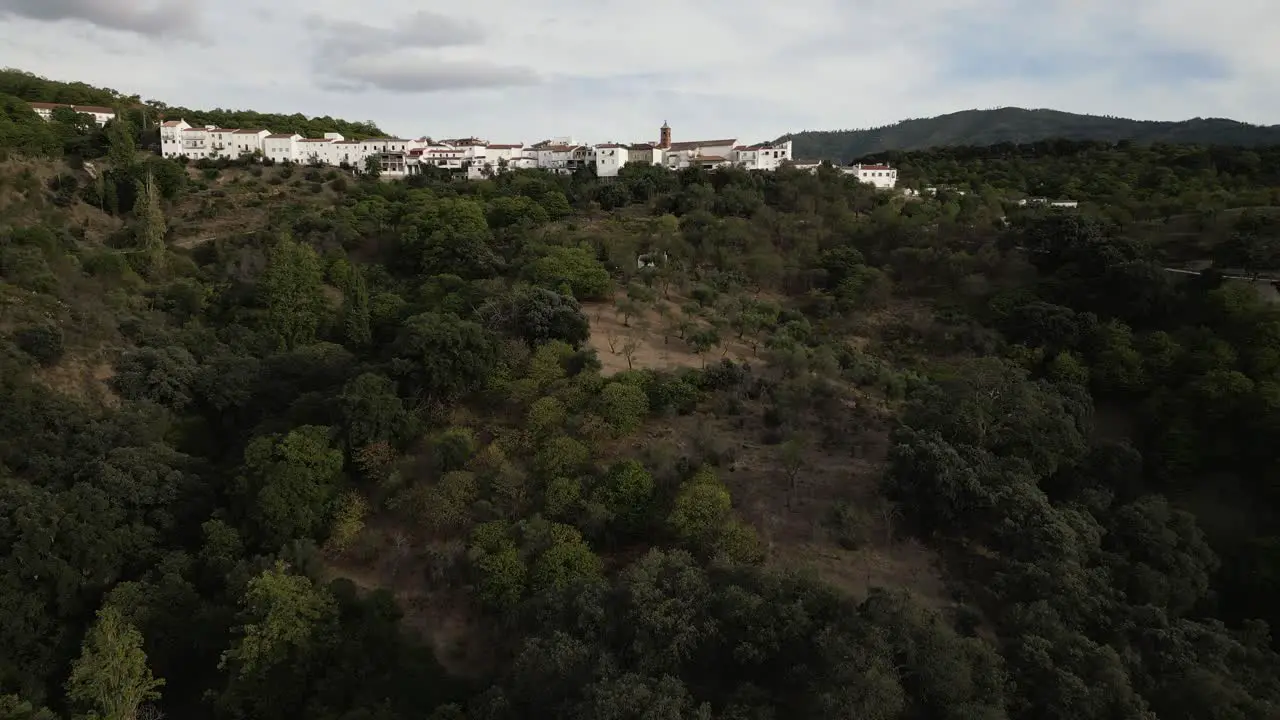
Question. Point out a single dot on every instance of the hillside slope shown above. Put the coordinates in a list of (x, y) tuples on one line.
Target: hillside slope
[(29, 87), (1011, 124)]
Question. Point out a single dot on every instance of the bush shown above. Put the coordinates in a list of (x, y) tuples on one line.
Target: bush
[(851, 526), (44, 343)]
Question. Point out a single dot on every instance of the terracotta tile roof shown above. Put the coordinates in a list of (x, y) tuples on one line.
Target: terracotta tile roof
[(515, 146), (609, 146), (250, 132), (93, 109), (195, 130), (876, 167), (175, 123), (46, 106), (320, 140), (642, 146), (224, 130), (347, 142), (692, 144), (280, 136)]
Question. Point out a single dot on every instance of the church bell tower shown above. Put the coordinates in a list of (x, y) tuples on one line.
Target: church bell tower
[(664, 136)]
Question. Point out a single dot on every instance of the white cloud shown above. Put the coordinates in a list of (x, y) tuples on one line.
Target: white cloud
[(615, 69)]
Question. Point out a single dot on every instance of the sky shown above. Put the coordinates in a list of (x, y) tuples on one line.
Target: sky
[(615, 70)]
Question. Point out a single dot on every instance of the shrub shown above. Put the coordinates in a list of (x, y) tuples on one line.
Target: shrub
[(42, 342)]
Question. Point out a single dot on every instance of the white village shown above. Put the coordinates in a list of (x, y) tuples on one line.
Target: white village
[(473, 157)]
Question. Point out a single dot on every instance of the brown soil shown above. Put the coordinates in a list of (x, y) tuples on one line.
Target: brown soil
[(643, 337), (85, 378)]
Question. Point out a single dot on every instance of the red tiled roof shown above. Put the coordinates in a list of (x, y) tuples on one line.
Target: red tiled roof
[(609, 146), (701, 143), (323, 140), (46, 106), (93, 109), (280, 136), (876, 167), (249, 132), (507, 147), (347, 142), (176, 123), (224, 130), (195, 130)]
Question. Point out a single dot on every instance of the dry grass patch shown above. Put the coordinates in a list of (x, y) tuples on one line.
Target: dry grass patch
[(88, 378), (646, 342)]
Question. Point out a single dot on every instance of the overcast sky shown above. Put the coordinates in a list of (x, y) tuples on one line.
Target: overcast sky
[(524, 70)]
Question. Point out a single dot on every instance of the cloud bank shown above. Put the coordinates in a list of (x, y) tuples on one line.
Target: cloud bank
[(614, 71)]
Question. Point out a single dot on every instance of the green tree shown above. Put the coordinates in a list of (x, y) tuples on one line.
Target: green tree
[(448, 356), (373, 166), (575, 267), (292, 287), (280, 612), (702, 507), (110, 680), (123, 152), (292, 481), (151, 225), (356, 307), (624, 406)]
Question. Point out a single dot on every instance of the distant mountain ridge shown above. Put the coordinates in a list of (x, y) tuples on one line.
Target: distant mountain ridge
[(1019, 125)]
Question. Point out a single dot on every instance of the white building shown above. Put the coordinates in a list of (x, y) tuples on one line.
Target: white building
[(171, 134), (100, 114), (281, 147), (1051, 203), (882, 176), (765, 156), (610, 157), (703, 153), (476, 158), (195, 142)]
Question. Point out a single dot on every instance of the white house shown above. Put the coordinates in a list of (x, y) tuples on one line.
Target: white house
[(101, 115), (882, 176), (765, 156), (195, 142), (281, 147), (247, 142), (479, 158), (610, 158), (705, 153), (222, 143), (171, 133), (1051, 203)]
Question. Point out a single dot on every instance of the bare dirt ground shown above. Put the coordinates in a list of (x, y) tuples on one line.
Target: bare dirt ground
[(642, 338), (86, 378)]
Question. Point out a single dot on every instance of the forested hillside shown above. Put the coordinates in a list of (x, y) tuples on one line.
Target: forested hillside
[(18, 85), (1016, 125), (285, 442)]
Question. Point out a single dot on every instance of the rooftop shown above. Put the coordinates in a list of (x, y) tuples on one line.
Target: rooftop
[(693, 144)]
